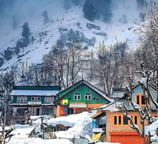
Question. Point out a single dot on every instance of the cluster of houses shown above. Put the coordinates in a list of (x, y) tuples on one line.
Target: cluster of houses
[(82, 96)]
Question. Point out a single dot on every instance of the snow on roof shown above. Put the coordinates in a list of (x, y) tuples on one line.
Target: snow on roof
[(69, 120), (40, 141), (97, 130), (34, 92), (97, 114), (118, 94), (112, 107), (21, 132), (152, 129), (98, 91), (6, 128), (80, 125)]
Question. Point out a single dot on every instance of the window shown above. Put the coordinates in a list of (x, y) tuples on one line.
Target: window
[(143, 100), (87, 96), (140, 100), (115, 120), (119, 120), (125, 120), (48, 99), (77, 96), (135, 119), (35, 98), (22, 99)]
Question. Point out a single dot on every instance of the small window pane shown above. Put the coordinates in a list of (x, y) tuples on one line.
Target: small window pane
[(119, 120), (135, 119), (143, 100), (77, 96), (115, 120), (125, 120), (87, 96), (138, 100)]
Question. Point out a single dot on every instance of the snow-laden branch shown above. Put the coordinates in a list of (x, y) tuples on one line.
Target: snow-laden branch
[(132, 124)]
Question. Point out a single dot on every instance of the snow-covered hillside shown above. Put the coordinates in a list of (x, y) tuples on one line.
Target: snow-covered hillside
[(62, 21)]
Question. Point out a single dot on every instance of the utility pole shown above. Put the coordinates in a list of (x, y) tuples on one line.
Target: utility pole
[(42, 126), (4, 124), (4, 111)]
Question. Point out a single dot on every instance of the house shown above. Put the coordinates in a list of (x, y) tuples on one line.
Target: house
[(34, 100), (116, 126), (80, 97)]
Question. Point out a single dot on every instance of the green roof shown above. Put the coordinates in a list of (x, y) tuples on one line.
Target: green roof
[(36, 88)]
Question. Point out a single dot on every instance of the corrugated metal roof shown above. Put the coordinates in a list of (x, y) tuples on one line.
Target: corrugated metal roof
[(34, 92), (36, 88)]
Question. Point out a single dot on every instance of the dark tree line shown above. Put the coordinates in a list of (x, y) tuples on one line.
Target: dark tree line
[(92, 9)]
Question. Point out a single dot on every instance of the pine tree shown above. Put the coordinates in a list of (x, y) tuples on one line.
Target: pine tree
[(26, 30), (67, 4), (104, 9), (45, 16), (89, 10)]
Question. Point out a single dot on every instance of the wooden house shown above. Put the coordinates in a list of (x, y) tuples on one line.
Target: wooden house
[(34, 100), (117, 127), (80, 97)]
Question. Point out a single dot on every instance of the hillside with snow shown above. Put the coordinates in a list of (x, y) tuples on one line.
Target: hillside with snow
[(65, 22)]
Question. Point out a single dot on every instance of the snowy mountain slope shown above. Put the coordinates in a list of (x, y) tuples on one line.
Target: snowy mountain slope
[(61, 21)]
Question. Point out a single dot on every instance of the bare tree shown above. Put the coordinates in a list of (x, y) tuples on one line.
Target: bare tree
[(111, 67), (149, 47), (53, 65), (144, 112), (73, 65), (62, 64)]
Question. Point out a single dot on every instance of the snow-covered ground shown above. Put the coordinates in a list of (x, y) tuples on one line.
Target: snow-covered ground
[(80, 127)]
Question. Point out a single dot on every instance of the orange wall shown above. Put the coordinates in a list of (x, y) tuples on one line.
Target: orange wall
[(94, 105), (61, 112), (110, 127), (126, 138)]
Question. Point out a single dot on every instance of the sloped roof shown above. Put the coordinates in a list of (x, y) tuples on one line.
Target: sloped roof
[(35, 90), (97, 114), (114, 106), (153, 91), (71, 88)]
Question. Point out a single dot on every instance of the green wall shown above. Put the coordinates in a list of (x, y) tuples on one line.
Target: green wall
[(83, 89)]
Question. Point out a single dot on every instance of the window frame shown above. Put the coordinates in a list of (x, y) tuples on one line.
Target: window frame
[(140, 99), (35, 98), (22, 99), (48, 99), (125, 120), (77, 96), (87, 96)]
